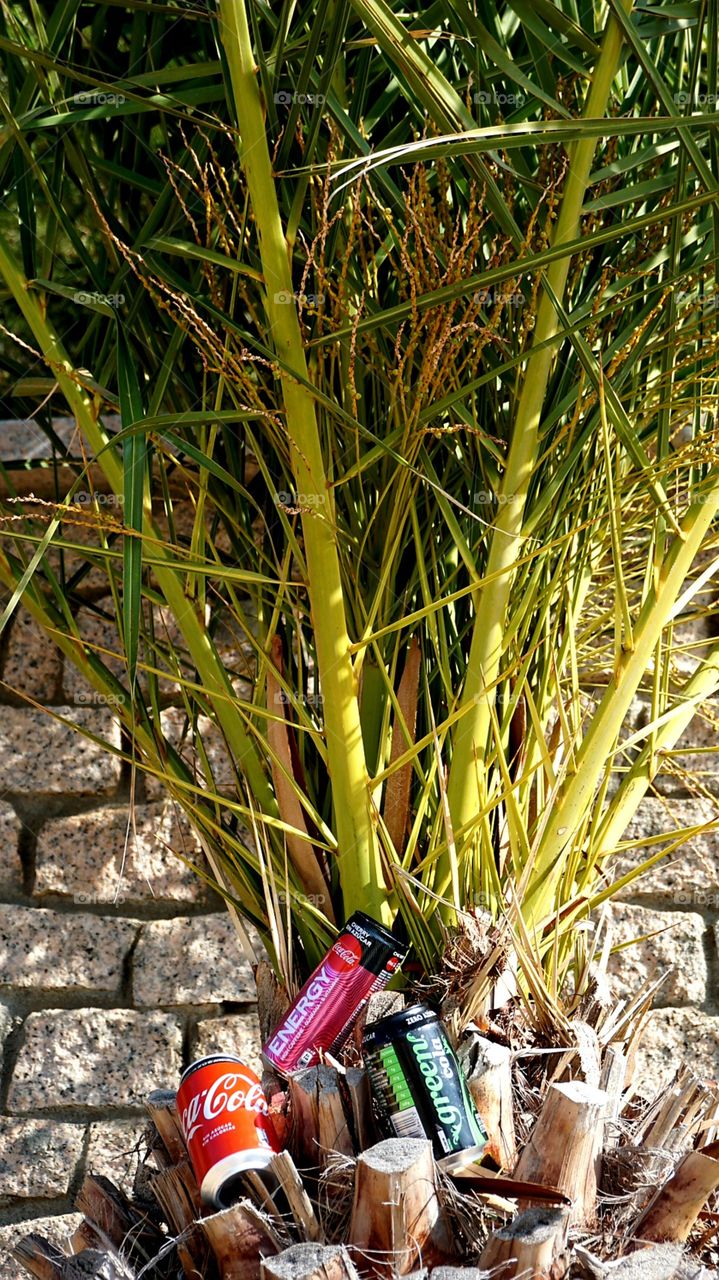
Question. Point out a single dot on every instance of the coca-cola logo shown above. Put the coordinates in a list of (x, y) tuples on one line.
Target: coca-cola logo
[(345, 954), (223, 1095)]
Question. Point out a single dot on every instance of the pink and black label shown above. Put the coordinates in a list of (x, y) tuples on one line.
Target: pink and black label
[(321, 1017)]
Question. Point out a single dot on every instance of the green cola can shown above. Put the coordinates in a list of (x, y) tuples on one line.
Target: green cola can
[(419, 1087)]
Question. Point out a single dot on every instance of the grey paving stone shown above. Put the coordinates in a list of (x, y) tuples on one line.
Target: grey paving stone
[(190, 961), (23, 440), (38, 1157), (113, 1150), (95, 1058), (52, 951), (174, 727), (675, 1036), (6, 1025), (693, 763), (237, 1033), (689, 875), (98, 628), (677, 945), (43, 755), (11, 876), (692, 637), (58, 1230), (33, 664), (102, 639), (102, 857)]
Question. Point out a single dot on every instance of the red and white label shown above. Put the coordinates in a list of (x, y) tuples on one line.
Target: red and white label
[(346, 954), (222, 1111), (226, 1093)]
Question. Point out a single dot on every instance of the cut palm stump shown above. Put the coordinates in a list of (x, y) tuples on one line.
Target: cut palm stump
[(397, 1219), (565, 1145), (603, 1184), (489, 1073)]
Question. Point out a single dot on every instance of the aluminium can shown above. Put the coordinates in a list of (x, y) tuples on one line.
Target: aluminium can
[(224, 1118), (419, 1086), (359, 963)]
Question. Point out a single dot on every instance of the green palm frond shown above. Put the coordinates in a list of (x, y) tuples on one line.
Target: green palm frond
[(416, 314)]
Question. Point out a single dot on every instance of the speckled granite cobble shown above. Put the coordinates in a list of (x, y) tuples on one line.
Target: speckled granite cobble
[(33, 664), (675, 1036), (113, 1149), (669, 942), (235, 1033), (21, 440), (6, 1023), (687, 876), (98, 630), (38, 1157), (42, 755), (174, 727), (690, 753), (11, 872), (50, 950), (99, 857), (190, 961), (94, 1058), (58, 1230)]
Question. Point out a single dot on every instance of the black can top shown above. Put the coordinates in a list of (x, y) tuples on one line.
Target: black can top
[(395, 1024), (384, 936)]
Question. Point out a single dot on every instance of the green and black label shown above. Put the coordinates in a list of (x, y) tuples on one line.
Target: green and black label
[(418, 1083)]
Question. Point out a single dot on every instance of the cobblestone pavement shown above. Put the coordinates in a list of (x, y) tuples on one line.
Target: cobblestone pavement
[(118, 965)]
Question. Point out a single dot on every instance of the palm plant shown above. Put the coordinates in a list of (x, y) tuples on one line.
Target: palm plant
[(420, 314)]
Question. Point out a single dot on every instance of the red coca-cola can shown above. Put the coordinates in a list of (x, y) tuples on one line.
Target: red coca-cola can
[(360, 962), (224, 1117)]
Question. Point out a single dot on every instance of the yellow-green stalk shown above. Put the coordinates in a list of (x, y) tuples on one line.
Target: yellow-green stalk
[(577, 793), (472, 734), (360, 868)]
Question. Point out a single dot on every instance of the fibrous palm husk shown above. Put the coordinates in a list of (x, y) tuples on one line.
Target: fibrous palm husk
[(574, 1202)]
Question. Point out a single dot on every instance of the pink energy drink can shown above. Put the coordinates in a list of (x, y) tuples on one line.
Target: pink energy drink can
[(360, 962)]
